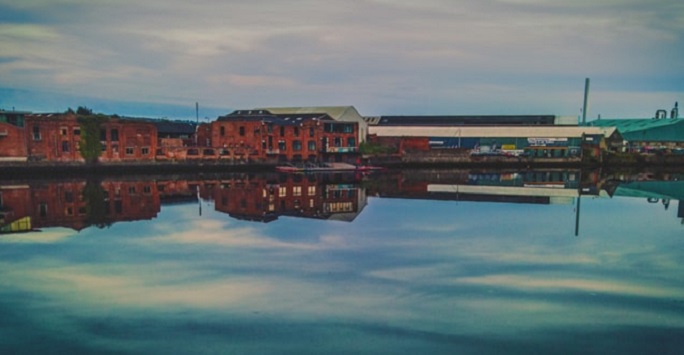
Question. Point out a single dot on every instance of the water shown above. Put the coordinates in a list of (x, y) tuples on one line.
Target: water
[(428, 262)]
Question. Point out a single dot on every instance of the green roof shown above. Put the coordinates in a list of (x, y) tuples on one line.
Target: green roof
[(645, 129), (673, 190)]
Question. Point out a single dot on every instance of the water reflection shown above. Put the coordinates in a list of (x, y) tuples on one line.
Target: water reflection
[(77, 204), (405, 262)]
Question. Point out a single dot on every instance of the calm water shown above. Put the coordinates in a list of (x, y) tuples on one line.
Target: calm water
[(448, 262)]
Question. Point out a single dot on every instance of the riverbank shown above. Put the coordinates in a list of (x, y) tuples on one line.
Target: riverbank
[(406, 161)]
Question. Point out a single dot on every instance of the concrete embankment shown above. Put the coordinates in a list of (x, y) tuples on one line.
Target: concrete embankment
[(12, 169), (64, 169)]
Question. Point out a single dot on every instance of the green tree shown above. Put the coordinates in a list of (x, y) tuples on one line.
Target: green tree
[(90, 146), (96, 205), (83, 110)]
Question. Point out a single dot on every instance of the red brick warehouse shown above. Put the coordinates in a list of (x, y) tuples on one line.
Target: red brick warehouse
[(57, 137), (260, 135)]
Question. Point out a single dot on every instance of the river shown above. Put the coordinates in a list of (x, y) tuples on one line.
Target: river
[(415, 262)]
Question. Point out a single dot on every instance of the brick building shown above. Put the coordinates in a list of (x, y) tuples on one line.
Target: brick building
[(260, 135), (57, 137), (66, 204), (264, 199), (12, 135)]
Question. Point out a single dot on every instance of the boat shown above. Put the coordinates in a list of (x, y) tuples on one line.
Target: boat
[(324, 167)]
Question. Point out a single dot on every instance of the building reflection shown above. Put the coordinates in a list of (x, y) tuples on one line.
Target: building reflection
[(75, 204), (78, 204), (264, 198), (537, 187)]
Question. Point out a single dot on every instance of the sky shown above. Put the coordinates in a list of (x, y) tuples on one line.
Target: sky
[(160, 57)]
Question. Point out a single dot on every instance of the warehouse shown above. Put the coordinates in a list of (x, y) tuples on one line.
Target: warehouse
[(540, 141), (648, 134)]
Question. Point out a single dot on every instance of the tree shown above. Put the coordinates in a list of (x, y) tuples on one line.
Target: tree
[(84, 111), (90, 146), (96, 204)]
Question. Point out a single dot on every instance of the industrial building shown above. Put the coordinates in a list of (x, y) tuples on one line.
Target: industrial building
[(538, 136), (648, 134), (337, 113)]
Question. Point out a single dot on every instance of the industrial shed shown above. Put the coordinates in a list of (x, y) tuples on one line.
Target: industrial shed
[(548, 141), (643, 134)]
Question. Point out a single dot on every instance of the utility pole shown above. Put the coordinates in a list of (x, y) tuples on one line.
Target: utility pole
[(586, 98), (197, 120)]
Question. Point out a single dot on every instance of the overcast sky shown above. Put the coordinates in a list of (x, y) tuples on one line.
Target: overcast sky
[(382, 56)]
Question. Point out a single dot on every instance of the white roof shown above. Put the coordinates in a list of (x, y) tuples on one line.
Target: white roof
[(338, 113), (490, 132)]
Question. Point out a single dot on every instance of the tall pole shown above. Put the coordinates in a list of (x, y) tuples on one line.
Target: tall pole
[(586, 98), (197, 119)]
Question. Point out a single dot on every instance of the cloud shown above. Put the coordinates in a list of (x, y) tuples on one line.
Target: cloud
[(51, 235), (383, 56)]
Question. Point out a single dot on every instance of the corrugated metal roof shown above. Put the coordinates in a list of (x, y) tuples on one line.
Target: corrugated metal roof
[(337, 113), (656, 189), (450, 120), (626, 125), (492, 131), (279, 119), (645, 129)]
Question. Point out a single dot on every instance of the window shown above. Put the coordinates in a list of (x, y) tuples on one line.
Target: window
[(103, 135), (131, 190), (129, 150), (296, 131), (115, 135), (145, 150), (282, 131), (311, 191), (242, 130), (312, 146), (43, 209), (348, 128), (282, 191), (338, 142), (297, 191), (351, 142), (311, 132), (222, 131), (65, 146), (104, 147), (147, 189), (77, 131), (281, 146), (63, 131), (296, 146), (36, 133)]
